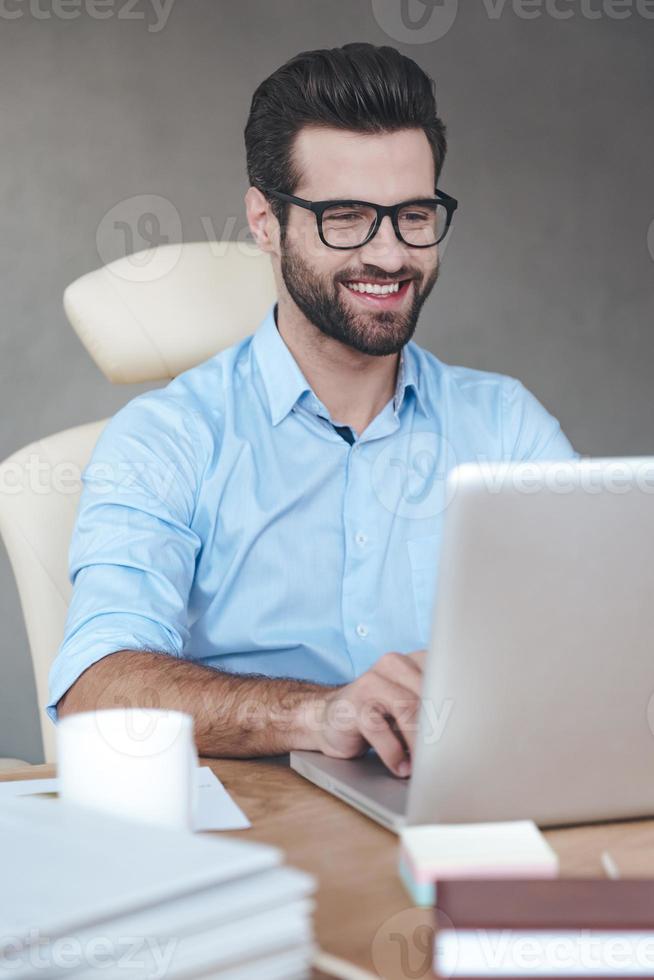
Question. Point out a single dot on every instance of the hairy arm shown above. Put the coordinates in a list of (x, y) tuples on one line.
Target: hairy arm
[(244, 715), (234, 714)]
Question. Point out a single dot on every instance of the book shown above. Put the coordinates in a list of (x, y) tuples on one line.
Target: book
[(568, 927), (85, 893)]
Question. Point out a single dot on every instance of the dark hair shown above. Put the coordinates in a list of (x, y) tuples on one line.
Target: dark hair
[(356, 87)]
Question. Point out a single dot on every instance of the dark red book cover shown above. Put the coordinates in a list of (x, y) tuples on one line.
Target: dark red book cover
[(556, 903)]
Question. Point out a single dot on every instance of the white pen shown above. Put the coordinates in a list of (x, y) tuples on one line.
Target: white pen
[(609, 865)]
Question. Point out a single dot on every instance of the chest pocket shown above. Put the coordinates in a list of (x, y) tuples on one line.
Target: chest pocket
[(424, 554)]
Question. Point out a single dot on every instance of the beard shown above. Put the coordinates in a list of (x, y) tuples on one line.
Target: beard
[(378, 332)]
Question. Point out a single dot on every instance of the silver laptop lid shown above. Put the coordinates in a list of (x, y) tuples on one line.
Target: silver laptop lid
[(542, 649)]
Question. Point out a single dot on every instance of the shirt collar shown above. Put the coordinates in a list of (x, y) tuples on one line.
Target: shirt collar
[(408, 376), (285, 383), (282, 377)]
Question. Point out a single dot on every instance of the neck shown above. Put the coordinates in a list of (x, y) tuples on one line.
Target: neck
[(353, 386)]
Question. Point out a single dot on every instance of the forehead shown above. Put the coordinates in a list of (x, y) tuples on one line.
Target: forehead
[(380, 167)]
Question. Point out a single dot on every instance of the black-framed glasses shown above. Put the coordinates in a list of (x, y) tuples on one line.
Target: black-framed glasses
[(420, 222)]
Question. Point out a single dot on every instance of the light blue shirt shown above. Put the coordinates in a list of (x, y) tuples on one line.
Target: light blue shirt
[(224, 521)]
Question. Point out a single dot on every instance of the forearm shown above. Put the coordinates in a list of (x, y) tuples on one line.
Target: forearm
[(234, 715)]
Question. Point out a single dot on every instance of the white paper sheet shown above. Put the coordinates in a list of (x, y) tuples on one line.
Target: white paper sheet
[(216, 810)]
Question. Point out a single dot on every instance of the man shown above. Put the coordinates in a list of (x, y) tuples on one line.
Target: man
[(269, 562)]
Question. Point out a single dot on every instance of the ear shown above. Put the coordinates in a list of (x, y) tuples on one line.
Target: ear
[(263, 223)]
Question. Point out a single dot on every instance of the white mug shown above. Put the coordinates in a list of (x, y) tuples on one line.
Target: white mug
[(139, 763)]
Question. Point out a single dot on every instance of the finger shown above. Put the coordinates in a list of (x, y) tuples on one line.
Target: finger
[(395, 702), (405, 723), (390, 749), (418, 657), (400, 669)]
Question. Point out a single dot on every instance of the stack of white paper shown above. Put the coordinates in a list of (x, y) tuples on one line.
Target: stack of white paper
[(215, 809), (85, 894)]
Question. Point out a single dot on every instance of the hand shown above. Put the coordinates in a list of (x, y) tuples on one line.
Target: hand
[(378, 709)]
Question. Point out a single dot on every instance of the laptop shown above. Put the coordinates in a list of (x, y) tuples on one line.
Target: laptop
[(540, 667)]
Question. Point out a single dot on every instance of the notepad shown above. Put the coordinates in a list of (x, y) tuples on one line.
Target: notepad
[(514, 849)]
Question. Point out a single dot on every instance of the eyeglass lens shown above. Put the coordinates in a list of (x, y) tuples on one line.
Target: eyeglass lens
[(348, 225)]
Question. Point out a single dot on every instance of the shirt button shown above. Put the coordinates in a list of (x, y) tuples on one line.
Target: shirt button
[(362, 630), (360, 538)]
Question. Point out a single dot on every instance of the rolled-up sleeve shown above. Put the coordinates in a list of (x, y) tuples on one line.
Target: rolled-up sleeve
[(133, 550), (529, 430)]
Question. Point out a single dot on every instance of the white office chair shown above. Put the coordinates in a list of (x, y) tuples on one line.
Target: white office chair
[(145, 317)]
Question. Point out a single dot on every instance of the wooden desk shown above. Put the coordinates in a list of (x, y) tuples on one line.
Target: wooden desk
[(362, 909)]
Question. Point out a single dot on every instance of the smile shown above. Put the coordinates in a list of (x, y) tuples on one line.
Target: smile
[(378, 294)]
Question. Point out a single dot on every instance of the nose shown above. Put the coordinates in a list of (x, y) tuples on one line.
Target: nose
[(385, 249)]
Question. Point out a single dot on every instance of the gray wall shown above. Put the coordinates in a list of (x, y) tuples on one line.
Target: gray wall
[(548, 275)]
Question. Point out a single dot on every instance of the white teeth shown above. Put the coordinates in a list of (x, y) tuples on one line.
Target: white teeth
[(367, 287)]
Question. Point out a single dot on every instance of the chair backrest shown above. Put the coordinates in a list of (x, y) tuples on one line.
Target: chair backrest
[(204, 297), (40, 491), (152, 315)]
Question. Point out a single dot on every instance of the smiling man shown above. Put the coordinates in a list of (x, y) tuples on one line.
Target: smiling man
[(280, 588)]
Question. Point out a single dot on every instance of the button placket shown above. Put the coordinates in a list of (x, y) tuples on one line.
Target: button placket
[(357, 601)]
